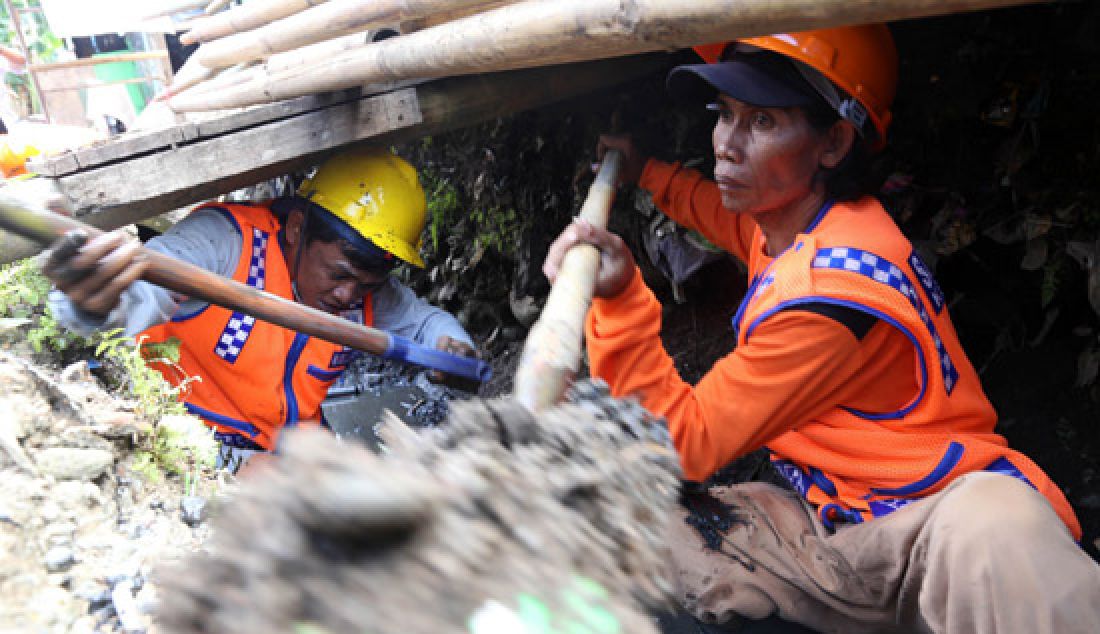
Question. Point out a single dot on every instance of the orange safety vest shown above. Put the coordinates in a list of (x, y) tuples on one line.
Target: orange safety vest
[(255, 377), (856, 465)]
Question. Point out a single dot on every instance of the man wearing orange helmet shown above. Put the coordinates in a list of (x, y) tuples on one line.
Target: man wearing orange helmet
[(332, 247), (907, 511)]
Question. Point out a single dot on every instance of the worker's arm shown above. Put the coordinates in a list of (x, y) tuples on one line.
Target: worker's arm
[(694, 201), (684, 195), (399, 311), (205, 238), (795, 366)]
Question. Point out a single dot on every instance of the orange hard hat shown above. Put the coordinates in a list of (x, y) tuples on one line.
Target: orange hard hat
[(861, 60)]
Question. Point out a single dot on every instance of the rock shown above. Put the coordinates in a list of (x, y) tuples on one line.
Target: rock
[(51, 606), (147, 599), (96, 594), (78, 372), (66, 463), (59, 558), (83, 625), (193, 510), (84, 438), (78, 495), (129, 614), (11, 431), (61, 580), (49, 511), (121, 424)]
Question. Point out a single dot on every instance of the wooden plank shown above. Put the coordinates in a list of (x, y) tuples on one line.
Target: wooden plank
[(54, 165), (125, 192), (92, 61), (249, 117), (98, 83), (166, 180), (129, 146)]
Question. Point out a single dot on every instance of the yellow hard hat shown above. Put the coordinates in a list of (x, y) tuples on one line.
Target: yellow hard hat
[(377, 194), (14, 155)]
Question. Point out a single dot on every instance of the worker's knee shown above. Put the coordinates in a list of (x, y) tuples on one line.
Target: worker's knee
[(989, 512)]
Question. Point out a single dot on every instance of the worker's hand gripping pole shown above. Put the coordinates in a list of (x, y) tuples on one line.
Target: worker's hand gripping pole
[(45, 227), (552, 352)]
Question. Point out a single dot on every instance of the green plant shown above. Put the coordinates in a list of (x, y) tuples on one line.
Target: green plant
[(180, 445), (443, 206), (497, 227), (23, 295), (41, 42)]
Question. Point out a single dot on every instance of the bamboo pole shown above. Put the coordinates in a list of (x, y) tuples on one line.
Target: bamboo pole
[(45, 227), (161, 9), (104, 59), (332, 19), (440, 17), (243, 18), (215, 6), (538, 33), (552, 353), (17, 20)]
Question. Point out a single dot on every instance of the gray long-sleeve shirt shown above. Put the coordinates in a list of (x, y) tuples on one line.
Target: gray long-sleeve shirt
[(209, 240)]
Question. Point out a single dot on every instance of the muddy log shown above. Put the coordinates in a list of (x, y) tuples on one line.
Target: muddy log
[(243, 18), (552, 352), (537, 33), (324, 22)]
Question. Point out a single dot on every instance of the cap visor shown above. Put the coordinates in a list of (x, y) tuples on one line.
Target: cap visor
[(744, 81)]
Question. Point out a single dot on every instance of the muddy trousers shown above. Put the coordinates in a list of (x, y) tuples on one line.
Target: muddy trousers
[(987, 554)]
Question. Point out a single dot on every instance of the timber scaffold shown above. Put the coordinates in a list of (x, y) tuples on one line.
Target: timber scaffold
[(297, 91)]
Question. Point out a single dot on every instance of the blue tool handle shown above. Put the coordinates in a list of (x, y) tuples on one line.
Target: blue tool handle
[(408, 351)]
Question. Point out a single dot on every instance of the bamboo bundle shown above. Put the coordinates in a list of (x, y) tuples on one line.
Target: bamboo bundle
[(243, 18), (539, 33), (215, 6), (552, 353), (190, 74), (441, 17), (333, 19), (161, 9)]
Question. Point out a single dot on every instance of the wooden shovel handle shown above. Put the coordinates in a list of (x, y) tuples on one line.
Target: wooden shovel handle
[(552, 352), (45, 227)]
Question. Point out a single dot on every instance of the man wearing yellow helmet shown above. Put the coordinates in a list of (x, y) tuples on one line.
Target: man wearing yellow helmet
[(332, 246)]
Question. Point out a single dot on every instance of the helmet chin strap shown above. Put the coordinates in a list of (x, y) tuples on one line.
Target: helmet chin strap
[(298, 255)]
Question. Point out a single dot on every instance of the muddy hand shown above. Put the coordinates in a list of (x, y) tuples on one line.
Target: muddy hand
[(94, 273), (616, 261), (462, 349), (633, 160)]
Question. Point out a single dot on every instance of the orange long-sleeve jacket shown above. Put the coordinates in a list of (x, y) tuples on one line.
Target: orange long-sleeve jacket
[(861, 425)]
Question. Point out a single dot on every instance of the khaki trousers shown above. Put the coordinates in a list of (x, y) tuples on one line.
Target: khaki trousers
[(986, 554)]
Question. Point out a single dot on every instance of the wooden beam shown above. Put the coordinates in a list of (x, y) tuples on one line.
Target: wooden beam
[(17, 22), (103, 59), (128, 191), (127, 146), (101, 83)]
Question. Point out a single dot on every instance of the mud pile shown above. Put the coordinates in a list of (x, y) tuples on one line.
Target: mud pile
[(498, 521)]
